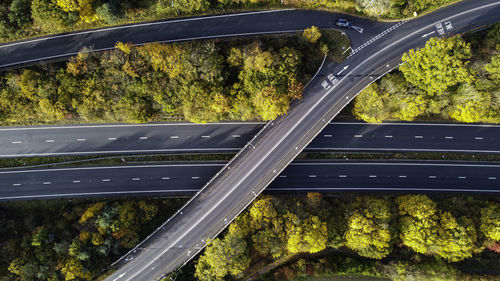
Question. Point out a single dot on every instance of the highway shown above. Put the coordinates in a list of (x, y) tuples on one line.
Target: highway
[(231, 137), (235, 186), (186, 179)]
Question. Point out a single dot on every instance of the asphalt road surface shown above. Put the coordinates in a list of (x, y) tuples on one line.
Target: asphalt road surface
[(266, 156), (254, 23), (186, 179), (231, 137)]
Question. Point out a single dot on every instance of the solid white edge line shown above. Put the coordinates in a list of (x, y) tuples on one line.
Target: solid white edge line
[(94, 126), (97, 126), (269, 189), (112, 167), (94, 193), (168, 21), (120, 151), (400, 149)]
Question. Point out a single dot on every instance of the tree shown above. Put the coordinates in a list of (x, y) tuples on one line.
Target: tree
[(181, 6), (310, 236), (409, 106), (19, 13), (368, 228), (428, 230), (269, 235), (469, 105), (49, 17), (439, 65), (110, 11), (370, 105), (493, 68), (73, 269), (490, 221), (312, 34), (82, 7), (374, 7), (222, 257)]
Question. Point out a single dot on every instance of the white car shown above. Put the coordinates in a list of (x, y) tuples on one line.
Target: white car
[(440, 29)]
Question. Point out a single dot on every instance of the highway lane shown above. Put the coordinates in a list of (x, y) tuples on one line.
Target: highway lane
[(256, 166), (186, 179), (175, 30), (231, 137)]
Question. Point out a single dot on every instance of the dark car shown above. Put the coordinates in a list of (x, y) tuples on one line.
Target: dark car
[(344, 23)]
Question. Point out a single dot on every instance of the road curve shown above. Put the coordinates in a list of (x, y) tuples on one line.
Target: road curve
[(249, 173), (175, 30), (186, 179), (231, 137)]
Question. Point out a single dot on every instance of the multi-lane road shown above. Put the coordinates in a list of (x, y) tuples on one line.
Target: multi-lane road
[(262, 160), (231, 137), (186, 179)]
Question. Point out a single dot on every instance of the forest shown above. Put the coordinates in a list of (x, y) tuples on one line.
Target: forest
[(73, 239), (233, 79), (407, 237), (29, 18), (449, 79)]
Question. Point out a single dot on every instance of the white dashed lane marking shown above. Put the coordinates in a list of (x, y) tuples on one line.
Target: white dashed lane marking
[(312, 176), (462, 177), (236, 136), (106, 180), (80, 139), (432, 177), (372, 176), (492, 178), (327, 136), (478, 138), (174, 137), (136, 179), (165, 178), (111, 139), (17, 142), (16, 184), (448, 138), (205, 136), (77, 181), (143, 138), (342, 176), (50, 141), (388, 137), (358, 136), (46, 182), (419, 137), (402, 176)]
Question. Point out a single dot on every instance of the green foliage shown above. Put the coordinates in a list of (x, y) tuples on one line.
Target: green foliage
[(452, 85), (422, 69), (312, 34), (143, 84), (427, 230), (432, 271), (181, 6), (49, 17), (310, 236), (490, 221), (370, 106), (223, 257), (62, 240), (368, 228)]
